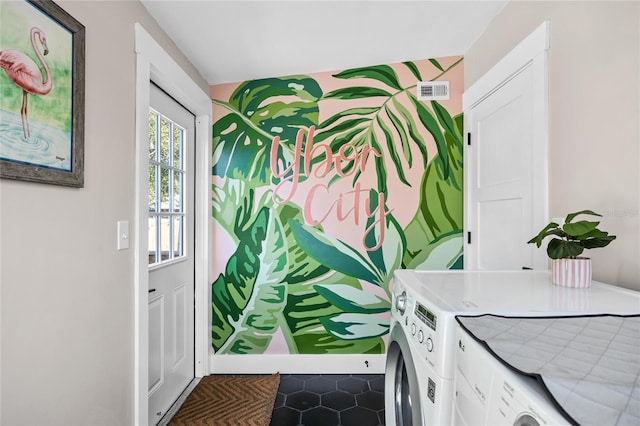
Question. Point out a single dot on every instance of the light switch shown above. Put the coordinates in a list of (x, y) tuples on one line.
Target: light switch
[(123, 235)]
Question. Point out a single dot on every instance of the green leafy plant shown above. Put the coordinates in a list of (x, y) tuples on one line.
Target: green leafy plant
[(572, 238)]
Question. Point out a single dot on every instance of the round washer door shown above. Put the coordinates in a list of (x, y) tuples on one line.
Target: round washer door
[(526, 420), (402, 392)]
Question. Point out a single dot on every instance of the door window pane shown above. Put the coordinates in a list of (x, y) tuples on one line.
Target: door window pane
[(178, 135), (166, 189), (165, 237), (178, 230), (177, 192), (152, 187), (153, 227), (164, 141), (153, 119)]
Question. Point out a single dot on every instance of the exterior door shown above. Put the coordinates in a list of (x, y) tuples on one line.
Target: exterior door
[(171, 252)]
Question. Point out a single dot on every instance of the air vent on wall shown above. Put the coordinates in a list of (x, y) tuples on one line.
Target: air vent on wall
[(433, 90)]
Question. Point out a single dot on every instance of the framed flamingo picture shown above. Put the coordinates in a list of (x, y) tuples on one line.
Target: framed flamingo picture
[(41, 93)]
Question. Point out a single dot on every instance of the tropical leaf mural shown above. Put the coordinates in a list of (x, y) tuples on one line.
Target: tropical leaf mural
[(258, 112), (390, 126), (305, 175), (440, 209), (250, 295)]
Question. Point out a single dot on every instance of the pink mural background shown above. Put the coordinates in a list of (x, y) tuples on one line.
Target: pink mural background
[(333, 200)]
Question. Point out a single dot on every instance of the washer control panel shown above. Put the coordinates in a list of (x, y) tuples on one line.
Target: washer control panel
[(426, 316), (421, 335), (423, 328), (428, 329), (419, 322)]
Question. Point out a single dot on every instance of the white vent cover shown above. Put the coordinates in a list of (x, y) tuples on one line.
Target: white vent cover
[(433, 90)]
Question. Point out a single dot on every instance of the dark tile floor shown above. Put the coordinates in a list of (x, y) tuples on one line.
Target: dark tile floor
[(329, 400)]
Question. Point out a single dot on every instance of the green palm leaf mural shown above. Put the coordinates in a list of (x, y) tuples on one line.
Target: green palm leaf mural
[(334, 253), (302, 268), (259, 111), (399, 127), (312, 303), (433, 220), (355, 326), (350, 313), (234, 200), (388, 256), (251, 294), (297, 281), (350, 299)]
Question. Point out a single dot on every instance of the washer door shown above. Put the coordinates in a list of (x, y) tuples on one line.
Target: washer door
[(402, 391), (526, 420)]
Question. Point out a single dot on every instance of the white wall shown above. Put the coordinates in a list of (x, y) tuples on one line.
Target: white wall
[(67, 324), (594, 124)]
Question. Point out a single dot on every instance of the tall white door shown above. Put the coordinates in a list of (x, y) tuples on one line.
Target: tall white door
[(506, 182), (500, 164), (171, 252)]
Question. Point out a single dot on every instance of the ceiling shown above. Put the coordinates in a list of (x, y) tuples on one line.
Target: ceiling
[(231, 41)]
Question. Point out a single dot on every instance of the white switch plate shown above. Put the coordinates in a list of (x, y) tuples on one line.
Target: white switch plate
[(123, 235)]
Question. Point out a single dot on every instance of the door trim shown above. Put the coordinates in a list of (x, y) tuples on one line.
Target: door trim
[(520, 56), (533, 52), (153, 63)]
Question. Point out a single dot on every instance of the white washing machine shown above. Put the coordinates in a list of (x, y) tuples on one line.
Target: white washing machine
[(489, 393), (420, 365)]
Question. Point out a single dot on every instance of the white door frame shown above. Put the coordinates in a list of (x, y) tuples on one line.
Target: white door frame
[(153, 63), (532, 51)]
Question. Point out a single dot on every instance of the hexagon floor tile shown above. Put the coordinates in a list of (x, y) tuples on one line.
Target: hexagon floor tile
[(329, 400)]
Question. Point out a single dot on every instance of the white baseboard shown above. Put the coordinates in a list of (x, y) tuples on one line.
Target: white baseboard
[(297, 364)]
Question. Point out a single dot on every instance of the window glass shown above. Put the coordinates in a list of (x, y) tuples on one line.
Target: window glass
[(166, 189)]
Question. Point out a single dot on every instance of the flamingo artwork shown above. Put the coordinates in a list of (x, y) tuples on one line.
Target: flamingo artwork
[(26, 74)]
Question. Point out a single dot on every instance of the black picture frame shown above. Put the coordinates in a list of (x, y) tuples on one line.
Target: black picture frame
[(72, 174)]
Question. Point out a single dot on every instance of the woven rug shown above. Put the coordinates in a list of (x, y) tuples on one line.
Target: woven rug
[(229, 400)]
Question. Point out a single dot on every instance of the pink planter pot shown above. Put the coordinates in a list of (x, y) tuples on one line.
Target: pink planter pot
[(571, 272)]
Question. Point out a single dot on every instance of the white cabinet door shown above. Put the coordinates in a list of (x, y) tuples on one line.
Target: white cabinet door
[(171, 252)]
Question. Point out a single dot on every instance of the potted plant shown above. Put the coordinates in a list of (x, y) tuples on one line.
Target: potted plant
[(568, 242)]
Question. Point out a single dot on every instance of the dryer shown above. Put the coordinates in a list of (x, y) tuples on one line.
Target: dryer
[(420, 364), (488, 393)]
